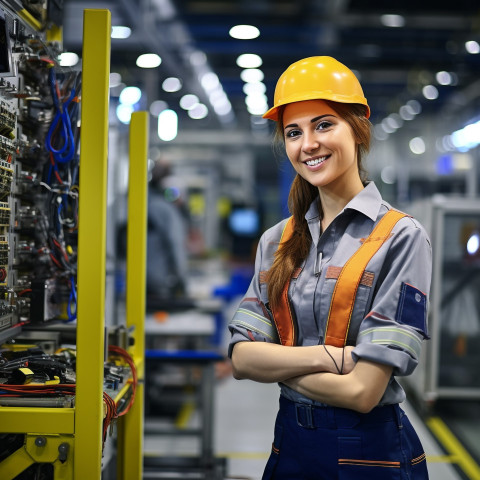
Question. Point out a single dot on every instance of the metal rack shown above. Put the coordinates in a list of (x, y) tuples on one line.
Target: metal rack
[(70, 439)]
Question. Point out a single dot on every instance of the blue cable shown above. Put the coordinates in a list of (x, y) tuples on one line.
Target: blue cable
[(66, 152), (72, 299)]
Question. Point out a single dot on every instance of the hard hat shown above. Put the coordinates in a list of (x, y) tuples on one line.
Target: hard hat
[(317, 78)]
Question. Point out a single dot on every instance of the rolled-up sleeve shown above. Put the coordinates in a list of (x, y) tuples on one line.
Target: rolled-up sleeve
[(251, 321), (396, 325)]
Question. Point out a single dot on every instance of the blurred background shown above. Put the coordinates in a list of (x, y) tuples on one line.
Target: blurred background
[(206, 72)]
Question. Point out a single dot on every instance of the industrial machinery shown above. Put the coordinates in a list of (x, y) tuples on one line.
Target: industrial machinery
[(449, 363), (40, 118)]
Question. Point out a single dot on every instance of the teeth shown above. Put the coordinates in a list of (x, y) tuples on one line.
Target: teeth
[(312, 163)]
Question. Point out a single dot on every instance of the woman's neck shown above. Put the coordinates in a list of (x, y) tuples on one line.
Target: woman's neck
[(333, 201)]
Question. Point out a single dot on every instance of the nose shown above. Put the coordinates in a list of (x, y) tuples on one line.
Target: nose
[(310, 142)]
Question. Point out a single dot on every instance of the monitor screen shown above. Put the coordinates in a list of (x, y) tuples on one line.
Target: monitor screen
[(244, 221)]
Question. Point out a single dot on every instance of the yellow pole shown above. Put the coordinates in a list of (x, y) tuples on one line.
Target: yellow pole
[(130, 441), (92, 245)]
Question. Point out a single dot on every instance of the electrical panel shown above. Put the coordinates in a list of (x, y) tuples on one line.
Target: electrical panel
[(39, 133)]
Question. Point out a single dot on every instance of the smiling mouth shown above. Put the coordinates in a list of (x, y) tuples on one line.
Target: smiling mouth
[(316, 161)]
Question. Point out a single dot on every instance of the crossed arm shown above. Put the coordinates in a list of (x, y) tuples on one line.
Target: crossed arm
[(312, 372)]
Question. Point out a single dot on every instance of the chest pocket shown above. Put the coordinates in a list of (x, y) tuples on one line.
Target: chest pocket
[(360, 306)]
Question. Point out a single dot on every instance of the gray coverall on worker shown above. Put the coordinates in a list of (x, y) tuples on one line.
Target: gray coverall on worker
[(388, 323)]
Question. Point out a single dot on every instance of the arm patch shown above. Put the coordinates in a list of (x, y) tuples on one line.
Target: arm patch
[(412, 309)]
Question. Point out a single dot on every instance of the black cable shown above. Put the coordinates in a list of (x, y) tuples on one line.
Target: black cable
[(339, 370)]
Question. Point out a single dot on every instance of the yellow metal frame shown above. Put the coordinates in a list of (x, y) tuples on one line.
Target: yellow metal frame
[(92, 244), (130, 427), (41, 449)]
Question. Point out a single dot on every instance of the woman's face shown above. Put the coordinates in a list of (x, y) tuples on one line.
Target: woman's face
[(320, 145)]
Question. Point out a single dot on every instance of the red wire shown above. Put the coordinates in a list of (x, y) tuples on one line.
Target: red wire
[(126, 356)]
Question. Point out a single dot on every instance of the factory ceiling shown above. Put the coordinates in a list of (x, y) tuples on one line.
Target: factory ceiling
[(397, 48)]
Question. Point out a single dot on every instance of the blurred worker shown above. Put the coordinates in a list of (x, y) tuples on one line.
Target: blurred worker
[(166, 242), (337, 306)]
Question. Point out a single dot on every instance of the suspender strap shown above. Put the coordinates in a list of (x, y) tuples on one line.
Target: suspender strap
[(343, 298), (282, 315)]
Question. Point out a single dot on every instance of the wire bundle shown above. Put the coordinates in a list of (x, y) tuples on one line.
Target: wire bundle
[(129, 360)]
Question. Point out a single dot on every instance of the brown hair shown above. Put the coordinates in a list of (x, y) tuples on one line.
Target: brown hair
[(302, 194)]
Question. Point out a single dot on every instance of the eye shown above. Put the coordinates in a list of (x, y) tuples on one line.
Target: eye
[(323, 125), (292, 133)]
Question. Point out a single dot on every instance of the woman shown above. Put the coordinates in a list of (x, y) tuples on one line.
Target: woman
[(334, 312)]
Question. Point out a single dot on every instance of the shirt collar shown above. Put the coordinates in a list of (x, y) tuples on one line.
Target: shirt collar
[(368, 201)]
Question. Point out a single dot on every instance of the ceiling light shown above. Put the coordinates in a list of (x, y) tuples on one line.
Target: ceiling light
[(395, 120), (467, 138), (157, 107), (198, 112), (244, 32), (379, 133), (406, 113), (253, 88), (387, 127), (472, 47), (188, 101), (443, 78), (388, 175), (124, 112), (417, 145), (415, 106), (430, 92), (223, 108), (392, 20), (252, 75), (167, 125), (115, 79), (120, 32), (209, 81), (68, 59), (249, 60), (198, 58), (130, 95), (148, 60), (172, 84)]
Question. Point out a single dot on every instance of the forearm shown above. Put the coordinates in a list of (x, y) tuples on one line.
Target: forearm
[(360, 390), (269, 362)]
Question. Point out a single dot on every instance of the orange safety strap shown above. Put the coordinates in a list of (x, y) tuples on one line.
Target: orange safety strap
[(343, 298), (282, 315)]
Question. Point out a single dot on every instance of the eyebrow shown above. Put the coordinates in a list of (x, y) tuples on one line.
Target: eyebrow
[(313, 120)]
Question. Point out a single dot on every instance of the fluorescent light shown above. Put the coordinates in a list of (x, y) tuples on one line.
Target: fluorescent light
[(252, 75), (121, 32), (249, 60), (210, 81), (430, 92), (124, 112), (472, 47), (444, 78), (198, 112), (244, 32), (253, 88), (115, 79), (172, 84), (394, 21), (417, 145), (415, 106), (130, 95), (188, 101), (167, 125), (68, 59), (148, 60)]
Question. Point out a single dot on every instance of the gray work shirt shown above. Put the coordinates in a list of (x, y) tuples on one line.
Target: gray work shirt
[(388, 323)]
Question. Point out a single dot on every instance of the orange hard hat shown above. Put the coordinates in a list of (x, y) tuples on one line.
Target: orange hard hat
[(317, 78)]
